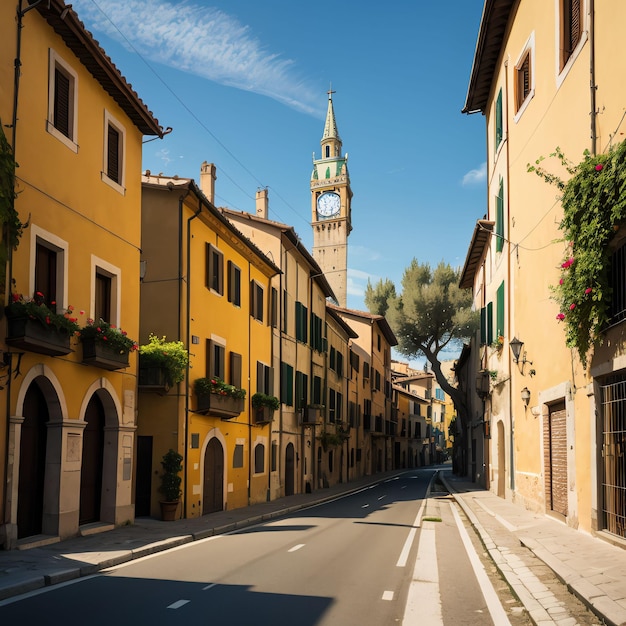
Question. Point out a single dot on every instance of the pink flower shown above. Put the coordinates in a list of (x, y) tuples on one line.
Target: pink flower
[(560, 317), (82, 312), (104, 338), (561, 281), (572, 306), (588, 291), (568, 263), (599, 167), (38, 293)]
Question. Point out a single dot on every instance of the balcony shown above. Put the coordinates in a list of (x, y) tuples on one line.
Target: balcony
[(313, 414), (99, 355), (223, 406), (31, 335)]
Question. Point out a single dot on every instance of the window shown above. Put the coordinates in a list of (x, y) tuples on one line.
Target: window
[(256, 300), (317, 339), (114, 153), (378, 342), (216, 354), (301, 322), (274, 457), (285, 311), (500, 218), (339, 407), (46, 272), (286, 384), (234, 284), (523, 80), (259, 458), (105, 294), (332, 359), (366, 370), (317, 390), (354, 361), (339, 368), (235, 369), (62, 101), (500, 311), (377, 380), (238, 455), (571, 28), (332, 405), (302, 386), (274, 313), (214, 269), (490, 323), (264, 379), (498, 129)]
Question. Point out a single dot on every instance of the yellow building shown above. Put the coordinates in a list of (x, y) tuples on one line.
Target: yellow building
[(373, 343), (300, 353), (207, 285), (76, 131), (544, 76)]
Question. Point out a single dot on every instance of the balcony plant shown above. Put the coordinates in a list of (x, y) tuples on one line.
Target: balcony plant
[(105, 345), (162, 362), (35, 325), (264, 406), (217, 397), (170, 484)]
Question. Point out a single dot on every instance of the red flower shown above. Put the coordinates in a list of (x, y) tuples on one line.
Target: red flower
[(572, 306), (561, 281), (16, 297), (104, 338), (38, 293), (588, 291), (599, 167), (53, 303), (47, 320), (560, 317)]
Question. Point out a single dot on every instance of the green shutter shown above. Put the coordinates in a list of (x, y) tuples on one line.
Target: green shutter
[(483, 326), (490, 323), (500, 218), (499, 119), (286, 384), (500, 311)]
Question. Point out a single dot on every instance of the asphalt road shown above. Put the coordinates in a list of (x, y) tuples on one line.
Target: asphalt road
[(367, 558)]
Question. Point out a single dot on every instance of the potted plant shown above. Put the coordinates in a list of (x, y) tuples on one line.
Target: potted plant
[(105, 345), (170, 484), (215, 396), (35, 325), (161, 364), (330, 439), (264, 406), (313, 413)]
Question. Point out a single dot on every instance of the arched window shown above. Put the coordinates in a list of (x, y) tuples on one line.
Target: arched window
[(259, 458)]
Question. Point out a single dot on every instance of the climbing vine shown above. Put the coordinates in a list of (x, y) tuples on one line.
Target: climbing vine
[(594, 207), (9, 220)]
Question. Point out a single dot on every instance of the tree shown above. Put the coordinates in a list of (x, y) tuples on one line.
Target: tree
[(432, 314)]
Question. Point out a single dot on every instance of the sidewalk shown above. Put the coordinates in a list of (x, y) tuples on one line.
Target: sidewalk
[(518, 541), (592, 569)]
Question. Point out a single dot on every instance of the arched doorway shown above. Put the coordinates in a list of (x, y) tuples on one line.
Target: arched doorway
[(92, 461), (32, 468), (501, 461), (290, 470), (213, 491)]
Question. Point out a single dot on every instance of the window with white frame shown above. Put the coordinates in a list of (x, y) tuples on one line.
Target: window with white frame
[(570, 34), (49, 267), (525, 77), (105, 291), (62, 120), (114, 153)]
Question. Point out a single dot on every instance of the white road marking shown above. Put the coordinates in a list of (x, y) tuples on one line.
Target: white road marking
[(300, 545), (381, 497), (391, 479), (423, 605), (178, 604), (209, 586), (365, 506), (498, 614), (388, 595), (404, 555), (403, 487)]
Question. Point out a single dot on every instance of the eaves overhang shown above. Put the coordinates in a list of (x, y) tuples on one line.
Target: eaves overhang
[(65, 22), (476, 252), (493, 25)]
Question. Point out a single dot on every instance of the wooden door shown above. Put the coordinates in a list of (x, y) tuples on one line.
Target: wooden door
[(290, 470), (143, 490), (32, 463), (555, 458), (213, 492), (91, 466)]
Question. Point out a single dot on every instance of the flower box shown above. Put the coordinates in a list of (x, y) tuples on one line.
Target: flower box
[(33, 336), (154, 379), (263, 415), (222, 405), (313, 414), (99, 355)]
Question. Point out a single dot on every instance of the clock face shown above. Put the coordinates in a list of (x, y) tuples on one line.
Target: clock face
[(328, 204)]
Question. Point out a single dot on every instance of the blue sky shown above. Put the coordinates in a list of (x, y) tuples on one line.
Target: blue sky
[(243, 85)]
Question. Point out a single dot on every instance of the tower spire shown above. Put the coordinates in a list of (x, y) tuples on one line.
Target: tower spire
[(330, 128)]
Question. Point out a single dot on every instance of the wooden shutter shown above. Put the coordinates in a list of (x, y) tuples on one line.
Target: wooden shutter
[(235, 369), (490, 323), (523, 80), (46, 273), (113, 154), (62, 102)]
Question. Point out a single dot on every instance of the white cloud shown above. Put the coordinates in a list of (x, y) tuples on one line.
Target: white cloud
[(200, 40), (474, 177)]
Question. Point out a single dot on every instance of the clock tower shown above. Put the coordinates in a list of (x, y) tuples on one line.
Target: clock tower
[(331, 199)]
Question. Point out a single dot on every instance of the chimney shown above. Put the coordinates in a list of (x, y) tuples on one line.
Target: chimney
[(207, 180), (261, 203)]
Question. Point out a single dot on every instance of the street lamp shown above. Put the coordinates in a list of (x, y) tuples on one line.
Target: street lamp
[(516, 348)]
